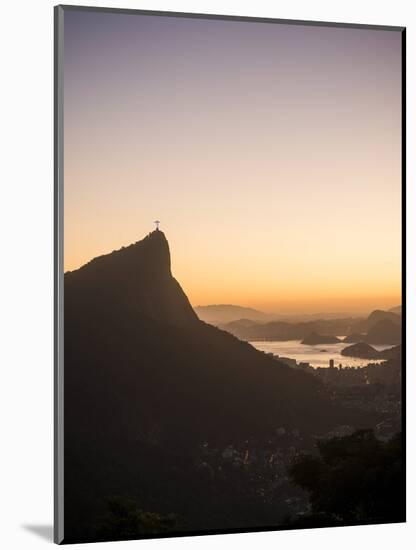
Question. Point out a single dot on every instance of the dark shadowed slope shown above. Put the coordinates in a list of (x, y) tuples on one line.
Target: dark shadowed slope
[(146, 382)]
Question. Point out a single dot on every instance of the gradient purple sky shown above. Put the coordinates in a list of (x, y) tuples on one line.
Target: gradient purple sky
[(271, 153)]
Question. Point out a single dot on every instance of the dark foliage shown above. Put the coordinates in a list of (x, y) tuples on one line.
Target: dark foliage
[(356, 479), (125, 520)]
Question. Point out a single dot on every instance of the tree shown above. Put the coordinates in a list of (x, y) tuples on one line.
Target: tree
[(356, 479), (125, 520)]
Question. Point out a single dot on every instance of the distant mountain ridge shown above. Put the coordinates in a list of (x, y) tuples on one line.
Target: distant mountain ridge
[(285, 330), (223, 314), (218, 314), (380, 327)]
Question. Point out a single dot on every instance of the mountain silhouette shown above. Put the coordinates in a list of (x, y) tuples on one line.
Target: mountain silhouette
[(130, 331), (136, 279), (147, 382)]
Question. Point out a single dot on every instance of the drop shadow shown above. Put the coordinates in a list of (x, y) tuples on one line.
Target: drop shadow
[(43, 531)]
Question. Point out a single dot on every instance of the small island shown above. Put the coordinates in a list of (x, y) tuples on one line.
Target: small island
[(361, 351), (315, 339)]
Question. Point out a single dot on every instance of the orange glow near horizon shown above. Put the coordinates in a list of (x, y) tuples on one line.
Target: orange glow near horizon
[(270, 153)]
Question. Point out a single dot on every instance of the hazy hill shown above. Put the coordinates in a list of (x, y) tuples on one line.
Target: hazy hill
[(380, 315), (223, 314), (314, 339), (146, 383), (236, 325), (321, 316), (284, 330), (227, 313), (385, 332), (381, 330)]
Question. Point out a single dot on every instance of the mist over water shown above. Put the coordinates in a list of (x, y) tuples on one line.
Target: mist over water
[(315, 355)]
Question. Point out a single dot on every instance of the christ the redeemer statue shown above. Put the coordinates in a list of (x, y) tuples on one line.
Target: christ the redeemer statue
[(157, 222)]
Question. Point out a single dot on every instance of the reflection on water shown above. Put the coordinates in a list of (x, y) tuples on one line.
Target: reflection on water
[(317, 356)]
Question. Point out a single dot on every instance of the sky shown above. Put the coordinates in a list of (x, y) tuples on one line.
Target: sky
[(271, 154)]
